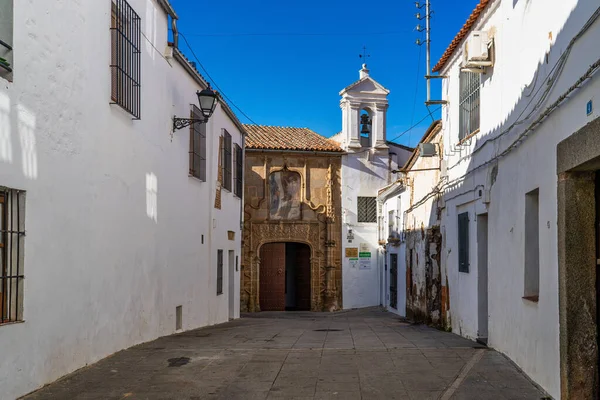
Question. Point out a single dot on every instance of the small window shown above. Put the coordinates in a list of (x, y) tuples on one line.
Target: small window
[(219, 272), (367, 209), (197, 146), (463, 242), (12, 234), (125, 57), (470, 83), (391, 226), (226, 159), (532, 245), (239, 171), (6, 39)]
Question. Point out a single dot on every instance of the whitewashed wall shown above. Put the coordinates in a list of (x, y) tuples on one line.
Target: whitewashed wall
[(361, 177), (114, 224), (392, 200), (528, 41)]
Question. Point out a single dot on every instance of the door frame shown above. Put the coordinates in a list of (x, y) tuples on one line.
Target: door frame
[(313, 265)]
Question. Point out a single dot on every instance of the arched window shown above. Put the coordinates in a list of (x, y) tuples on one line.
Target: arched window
[(365, 128)]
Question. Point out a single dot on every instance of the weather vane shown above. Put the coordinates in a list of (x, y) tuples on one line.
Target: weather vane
[(364, 54)]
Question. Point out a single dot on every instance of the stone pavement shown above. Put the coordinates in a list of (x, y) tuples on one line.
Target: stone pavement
[(358, 354)]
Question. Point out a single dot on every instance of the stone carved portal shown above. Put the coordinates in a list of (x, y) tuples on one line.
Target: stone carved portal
[(308, 233)]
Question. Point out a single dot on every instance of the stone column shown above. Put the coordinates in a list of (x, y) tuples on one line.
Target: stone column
[(379, 126), (577, 285), (353, 125)]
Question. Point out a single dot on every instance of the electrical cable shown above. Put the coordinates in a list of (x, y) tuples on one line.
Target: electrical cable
[(414, 125), (412, 116), (213, 81), (550, 81)]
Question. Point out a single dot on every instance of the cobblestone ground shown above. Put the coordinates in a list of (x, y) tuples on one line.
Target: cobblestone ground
[(362, 354)]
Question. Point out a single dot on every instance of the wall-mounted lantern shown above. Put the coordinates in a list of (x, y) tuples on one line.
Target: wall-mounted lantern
[(208, 101)]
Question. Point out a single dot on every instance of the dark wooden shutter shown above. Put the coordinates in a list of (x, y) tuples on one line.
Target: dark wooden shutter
[(226, 160), (463, 242), (239, 170), (197, 146)]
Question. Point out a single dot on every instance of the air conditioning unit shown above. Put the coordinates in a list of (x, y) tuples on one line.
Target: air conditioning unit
[(427, 149), (478, 51)]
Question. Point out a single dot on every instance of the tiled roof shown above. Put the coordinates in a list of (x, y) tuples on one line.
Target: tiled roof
[(461, 35), (284, 138)]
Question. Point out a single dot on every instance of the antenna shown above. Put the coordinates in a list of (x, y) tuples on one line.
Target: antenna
[(419, 42)]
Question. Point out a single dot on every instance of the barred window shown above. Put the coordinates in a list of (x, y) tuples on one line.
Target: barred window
[(197, 146), (226, 158), (367, 209), (12, 232), (239, 170), (125, 57), (6, 39), (219, 272), (470, 83)]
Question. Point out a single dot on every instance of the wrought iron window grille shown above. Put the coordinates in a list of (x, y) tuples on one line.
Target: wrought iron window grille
[(219, 272), (126, 32), (469, 118), (367, 209), (12, 233)]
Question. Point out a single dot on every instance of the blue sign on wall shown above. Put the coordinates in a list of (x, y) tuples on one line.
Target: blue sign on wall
[(590, 107)]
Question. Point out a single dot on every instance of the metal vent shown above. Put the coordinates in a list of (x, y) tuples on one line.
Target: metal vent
[(427, 149)]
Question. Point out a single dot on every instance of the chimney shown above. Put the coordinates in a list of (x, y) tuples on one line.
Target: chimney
[(364, 71)]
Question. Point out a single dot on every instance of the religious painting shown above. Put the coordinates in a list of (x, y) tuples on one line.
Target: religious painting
[(285, 195)]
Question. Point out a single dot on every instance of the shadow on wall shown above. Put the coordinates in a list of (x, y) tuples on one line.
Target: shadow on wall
[(536, 99), (18, 120), (488, 149)]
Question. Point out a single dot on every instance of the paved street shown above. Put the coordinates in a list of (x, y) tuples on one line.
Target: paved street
[(363, 354)]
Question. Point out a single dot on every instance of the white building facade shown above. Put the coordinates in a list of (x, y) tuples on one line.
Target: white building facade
[(365, 169), (410, 234), (116, 228), (518, 86)]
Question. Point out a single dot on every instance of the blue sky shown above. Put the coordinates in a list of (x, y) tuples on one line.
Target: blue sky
[(284, 62)]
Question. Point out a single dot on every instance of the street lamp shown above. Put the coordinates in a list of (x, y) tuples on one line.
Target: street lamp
[(207, 99)]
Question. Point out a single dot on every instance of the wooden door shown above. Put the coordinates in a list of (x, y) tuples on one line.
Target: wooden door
[(394, 280), (303, 292), (272, 277)]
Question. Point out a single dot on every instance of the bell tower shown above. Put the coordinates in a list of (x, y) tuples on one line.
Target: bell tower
[(364, 106)]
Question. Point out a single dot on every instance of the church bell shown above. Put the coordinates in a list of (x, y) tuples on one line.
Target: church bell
[(366, 123)]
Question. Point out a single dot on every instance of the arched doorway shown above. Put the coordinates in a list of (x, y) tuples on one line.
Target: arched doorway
[(285, 277)]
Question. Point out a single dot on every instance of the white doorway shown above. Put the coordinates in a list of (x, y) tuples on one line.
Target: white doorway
[(482, 281), (231, 284)]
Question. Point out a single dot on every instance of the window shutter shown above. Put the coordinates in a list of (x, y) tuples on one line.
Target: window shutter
[(197, 146), (463, 242)]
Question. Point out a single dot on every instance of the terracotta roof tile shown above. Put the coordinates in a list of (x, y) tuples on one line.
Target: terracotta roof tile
[(464, 31), (286, 138)]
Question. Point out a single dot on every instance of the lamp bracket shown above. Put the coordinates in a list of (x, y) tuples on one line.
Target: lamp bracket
[(180, 123)]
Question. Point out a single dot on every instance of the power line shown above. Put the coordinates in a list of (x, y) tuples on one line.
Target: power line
[(234, 34), (416, 124), (213, 81)]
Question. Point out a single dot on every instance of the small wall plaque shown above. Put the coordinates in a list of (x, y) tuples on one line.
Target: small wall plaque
[(351, 252), (231, 235)]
